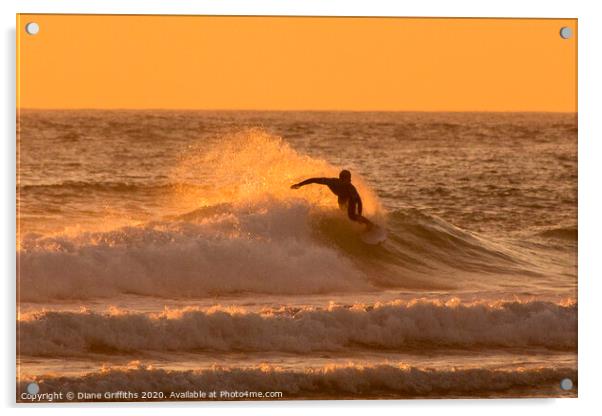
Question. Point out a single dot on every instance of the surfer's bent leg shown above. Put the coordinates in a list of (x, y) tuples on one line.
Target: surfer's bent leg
[(353, 216)]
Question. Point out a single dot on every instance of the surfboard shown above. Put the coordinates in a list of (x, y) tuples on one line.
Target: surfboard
[(375, 235)]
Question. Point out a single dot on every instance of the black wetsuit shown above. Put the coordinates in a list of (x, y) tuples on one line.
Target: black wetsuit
[(348, 196)]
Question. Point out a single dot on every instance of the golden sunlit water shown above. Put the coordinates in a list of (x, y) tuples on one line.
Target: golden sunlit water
[(165, 249)]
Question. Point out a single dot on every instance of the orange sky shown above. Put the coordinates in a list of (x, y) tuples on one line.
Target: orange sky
[(285, 63)]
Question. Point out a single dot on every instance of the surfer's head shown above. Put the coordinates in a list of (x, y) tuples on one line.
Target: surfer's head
[(345, 176)]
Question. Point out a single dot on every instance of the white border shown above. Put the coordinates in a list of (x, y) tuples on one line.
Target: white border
[(456, 8), (590, 207)]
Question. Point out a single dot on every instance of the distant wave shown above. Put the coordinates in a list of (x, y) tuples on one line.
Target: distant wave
[(390, 326), (561, 233), (77, 187), (381, 381)]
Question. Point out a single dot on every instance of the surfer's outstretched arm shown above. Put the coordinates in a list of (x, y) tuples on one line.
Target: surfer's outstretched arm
[(320, 181)]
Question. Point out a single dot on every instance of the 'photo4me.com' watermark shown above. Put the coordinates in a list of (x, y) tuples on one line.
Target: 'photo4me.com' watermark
[(33, 395)]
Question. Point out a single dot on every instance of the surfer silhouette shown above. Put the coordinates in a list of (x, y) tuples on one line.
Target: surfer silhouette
[(348, 196)]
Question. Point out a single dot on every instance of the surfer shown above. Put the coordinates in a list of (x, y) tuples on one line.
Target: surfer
[(348, 196)]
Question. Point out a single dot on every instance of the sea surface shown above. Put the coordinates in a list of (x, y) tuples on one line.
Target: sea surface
[(164, 251)]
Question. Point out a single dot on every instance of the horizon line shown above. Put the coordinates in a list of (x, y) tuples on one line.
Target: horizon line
[(285, 110)]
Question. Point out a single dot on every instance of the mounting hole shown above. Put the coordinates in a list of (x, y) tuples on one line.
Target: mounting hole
[(32, 28), (566, 384), (566, 32), (33, 388)]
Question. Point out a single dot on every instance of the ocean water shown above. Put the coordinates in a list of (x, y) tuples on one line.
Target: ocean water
[(165, 251)]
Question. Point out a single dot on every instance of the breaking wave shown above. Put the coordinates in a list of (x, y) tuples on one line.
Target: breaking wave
[(415, 325), (352, 381), (270, 247)]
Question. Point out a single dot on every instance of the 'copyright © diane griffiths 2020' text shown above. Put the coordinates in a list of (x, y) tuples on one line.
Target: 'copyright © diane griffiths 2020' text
[(149, 395)]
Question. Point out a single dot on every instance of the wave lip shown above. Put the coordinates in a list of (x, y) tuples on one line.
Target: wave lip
[(394, 326), (332, 382)]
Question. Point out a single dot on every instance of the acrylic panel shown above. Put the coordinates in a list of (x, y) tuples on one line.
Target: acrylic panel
[(287, 208)]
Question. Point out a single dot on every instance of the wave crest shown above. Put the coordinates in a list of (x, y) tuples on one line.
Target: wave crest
[(419, 324), (334, 382)]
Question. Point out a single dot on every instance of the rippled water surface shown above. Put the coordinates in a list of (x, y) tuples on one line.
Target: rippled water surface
[(160, 243)]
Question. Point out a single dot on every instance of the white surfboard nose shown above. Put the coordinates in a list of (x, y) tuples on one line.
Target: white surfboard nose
[(374, 235)]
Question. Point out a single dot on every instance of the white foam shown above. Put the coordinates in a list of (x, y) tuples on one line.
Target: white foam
[(384, 381), (396, 326), (263, 248)]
